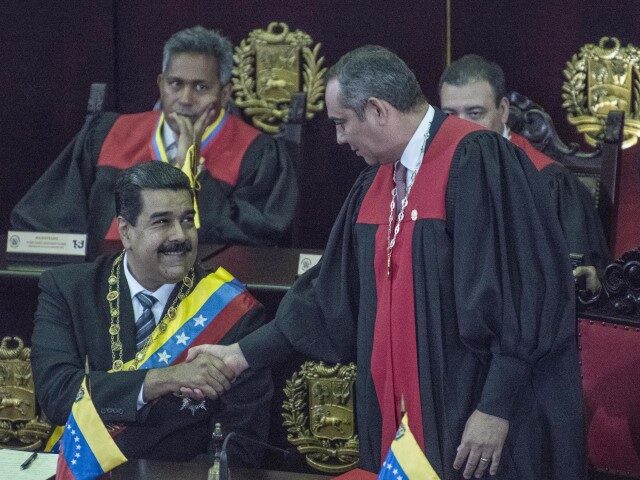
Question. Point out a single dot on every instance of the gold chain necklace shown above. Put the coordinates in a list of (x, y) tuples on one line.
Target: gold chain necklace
[(113, 297)]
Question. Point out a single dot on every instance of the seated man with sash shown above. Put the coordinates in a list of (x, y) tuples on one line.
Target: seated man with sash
[(474, 89), (126, 322), (248, 188)]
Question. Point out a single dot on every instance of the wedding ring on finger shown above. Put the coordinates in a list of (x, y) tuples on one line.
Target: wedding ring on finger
[(484, 460)]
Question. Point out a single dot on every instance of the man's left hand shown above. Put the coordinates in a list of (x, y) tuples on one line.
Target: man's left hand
[(590, 274), (481, 444)]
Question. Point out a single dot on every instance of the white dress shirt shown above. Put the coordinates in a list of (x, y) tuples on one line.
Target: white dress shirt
[(170, 141), (412, 154)]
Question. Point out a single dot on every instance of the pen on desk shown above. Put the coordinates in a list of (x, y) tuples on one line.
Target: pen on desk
[(28, 461)]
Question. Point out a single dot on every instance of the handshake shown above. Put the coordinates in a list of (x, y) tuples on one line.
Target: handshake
[(207, 372)]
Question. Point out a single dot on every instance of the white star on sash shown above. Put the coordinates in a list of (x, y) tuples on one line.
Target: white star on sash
[(199, 320), (182, 339), (164, 357)]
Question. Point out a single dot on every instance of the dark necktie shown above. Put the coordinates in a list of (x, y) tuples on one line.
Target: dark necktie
[(146, 322)]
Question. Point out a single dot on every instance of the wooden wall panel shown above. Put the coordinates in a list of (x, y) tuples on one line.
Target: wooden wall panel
[(50, 52)]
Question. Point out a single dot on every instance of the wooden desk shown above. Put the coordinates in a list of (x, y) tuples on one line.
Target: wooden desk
[(262, 269), (156, 470)]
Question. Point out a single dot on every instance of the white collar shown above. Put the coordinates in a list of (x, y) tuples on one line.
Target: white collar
[(168, 135), (413, 153), (161, 294), (506, 133)]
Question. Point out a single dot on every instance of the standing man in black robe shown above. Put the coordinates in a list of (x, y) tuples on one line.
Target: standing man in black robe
[(447, 279), (248, 188)]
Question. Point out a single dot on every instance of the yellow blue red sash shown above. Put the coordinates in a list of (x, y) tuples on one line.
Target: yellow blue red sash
[(200, 318)]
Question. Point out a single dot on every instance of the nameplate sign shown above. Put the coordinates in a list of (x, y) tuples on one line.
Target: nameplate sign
[(306, 261), (46, 246)]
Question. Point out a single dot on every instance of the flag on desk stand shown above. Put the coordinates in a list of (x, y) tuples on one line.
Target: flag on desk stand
[(86, 448), (405, 460)]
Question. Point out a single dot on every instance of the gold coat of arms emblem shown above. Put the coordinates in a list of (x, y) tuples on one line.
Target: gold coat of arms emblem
[(20, 428), (319, 416), (270, 66), (601, 78)]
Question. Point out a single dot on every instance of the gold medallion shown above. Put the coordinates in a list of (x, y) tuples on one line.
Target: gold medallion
[(117, 365), (601, 78), (112, 280), (112, 295), (270, 67), (114, 329), (319, 415), (21, 428)]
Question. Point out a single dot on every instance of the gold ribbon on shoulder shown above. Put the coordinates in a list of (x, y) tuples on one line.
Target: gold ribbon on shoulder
[(190, 168)]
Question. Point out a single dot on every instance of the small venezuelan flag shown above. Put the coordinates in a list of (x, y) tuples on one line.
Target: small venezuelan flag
[(405, 460), (86, 450)]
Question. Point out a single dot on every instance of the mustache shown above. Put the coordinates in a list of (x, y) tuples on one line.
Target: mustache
[(176, 247)]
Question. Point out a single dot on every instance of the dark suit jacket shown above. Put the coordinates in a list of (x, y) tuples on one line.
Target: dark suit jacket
[(72, 323)]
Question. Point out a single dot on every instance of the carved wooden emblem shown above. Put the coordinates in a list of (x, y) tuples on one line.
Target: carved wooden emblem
[(319, 417), (270, 66), (20, 428), (601, 78)]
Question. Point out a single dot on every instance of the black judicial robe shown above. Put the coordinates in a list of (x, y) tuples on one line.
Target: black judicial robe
[(248, 187), (487, 268), (573, 205)]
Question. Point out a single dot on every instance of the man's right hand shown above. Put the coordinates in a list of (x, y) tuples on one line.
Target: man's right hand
[(206, 374), (231, 355)]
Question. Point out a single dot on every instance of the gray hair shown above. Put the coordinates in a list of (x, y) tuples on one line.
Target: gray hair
[(151, 175), (200, 40), (474, 68), (374, 71)]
